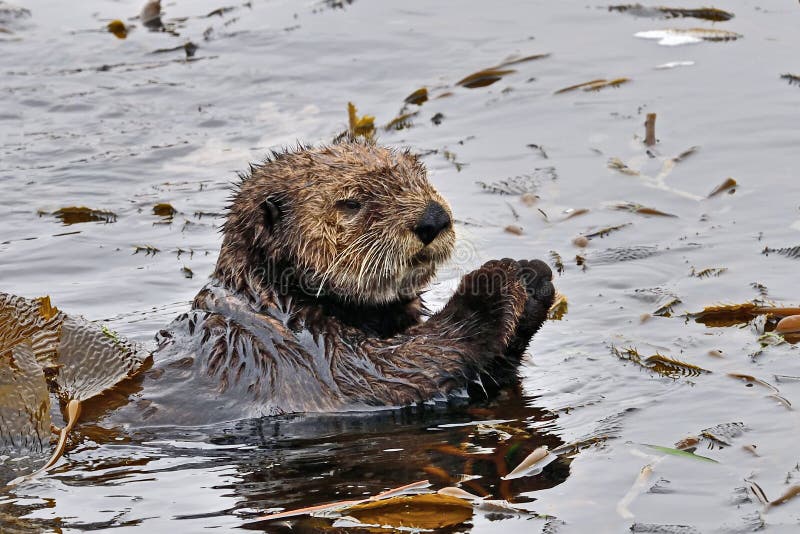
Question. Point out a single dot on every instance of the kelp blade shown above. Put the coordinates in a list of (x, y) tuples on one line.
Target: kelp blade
[(428, 511), (24, 413)]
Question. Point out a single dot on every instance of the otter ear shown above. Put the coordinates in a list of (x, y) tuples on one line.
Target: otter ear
[(271, 211)]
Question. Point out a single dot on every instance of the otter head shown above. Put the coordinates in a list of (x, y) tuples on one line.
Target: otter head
[(353, 221)]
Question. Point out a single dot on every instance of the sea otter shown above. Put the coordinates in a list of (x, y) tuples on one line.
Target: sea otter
[(315, 303)]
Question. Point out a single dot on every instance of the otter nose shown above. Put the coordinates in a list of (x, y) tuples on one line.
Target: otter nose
[(433, 221)]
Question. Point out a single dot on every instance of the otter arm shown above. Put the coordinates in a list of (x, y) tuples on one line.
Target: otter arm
[(449, 351)]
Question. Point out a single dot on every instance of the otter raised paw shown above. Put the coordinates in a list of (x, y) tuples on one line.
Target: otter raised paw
[(315, 301)]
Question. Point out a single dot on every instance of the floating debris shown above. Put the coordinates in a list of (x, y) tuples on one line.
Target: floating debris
[(728, 186), (437, 119), (485, 77), (118, 28), (514, 229), (360, 126), (659, 363), (187, 272), (641, 210), (789, 252), (594, 85), (705, 13), (418, 97), (793, 79), (675, 36), (82, 214)]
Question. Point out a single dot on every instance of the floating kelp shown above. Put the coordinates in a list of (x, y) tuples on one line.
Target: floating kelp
[(728, 186), (666, 309), (680, 453), (418, 97), (736, 314), (516, 185), (517, 61), (705, 13), (485, 77), (558, 263), (618, 165), (532, 464), (620, 254), (677, 36), (659, 363), (189, 48), (82, 214), (77, 359), (150, 15), (789, 252), (639, 209), (164, 209), (793, 79), (118, 28), (360, 126), (594, 85), (707, 273), (148, 250), (428, 511), (559, 307), (401, 122), (603, 232)]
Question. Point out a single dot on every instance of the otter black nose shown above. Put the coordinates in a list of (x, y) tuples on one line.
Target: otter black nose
[(433, 221)]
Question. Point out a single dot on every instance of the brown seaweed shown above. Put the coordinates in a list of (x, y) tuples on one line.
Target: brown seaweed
[(641, 210), (594, 85), (728, 186), (81, 214), (484, 77), (704, 13), (736, 314), (789, 252), (658, 363), (793, 79), (418, 97), (363, 126)]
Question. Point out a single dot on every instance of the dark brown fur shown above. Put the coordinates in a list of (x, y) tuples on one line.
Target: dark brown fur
[(315, 306)]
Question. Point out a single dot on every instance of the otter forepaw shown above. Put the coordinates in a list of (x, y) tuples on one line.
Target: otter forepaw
[(495, 297), (537, 277)]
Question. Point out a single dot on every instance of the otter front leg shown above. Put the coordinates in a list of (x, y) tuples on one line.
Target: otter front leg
[(455, 346), (537, 277)]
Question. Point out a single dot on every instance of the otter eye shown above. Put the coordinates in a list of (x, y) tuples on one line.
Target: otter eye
[(349, 205)]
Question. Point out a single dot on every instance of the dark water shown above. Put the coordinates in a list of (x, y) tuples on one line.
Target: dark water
[(87, 119)]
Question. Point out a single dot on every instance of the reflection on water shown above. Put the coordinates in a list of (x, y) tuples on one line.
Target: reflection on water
[(101, 130)]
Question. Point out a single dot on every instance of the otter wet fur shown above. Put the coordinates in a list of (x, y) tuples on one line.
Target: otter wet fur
[(315, 302)]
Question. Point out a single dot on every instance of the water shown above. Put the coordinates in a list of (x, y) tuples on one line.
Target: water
[(91, 120)]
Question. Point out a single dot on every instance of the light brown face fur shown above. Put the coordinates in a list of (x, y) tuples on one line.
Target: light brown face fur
[(340, 220)]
